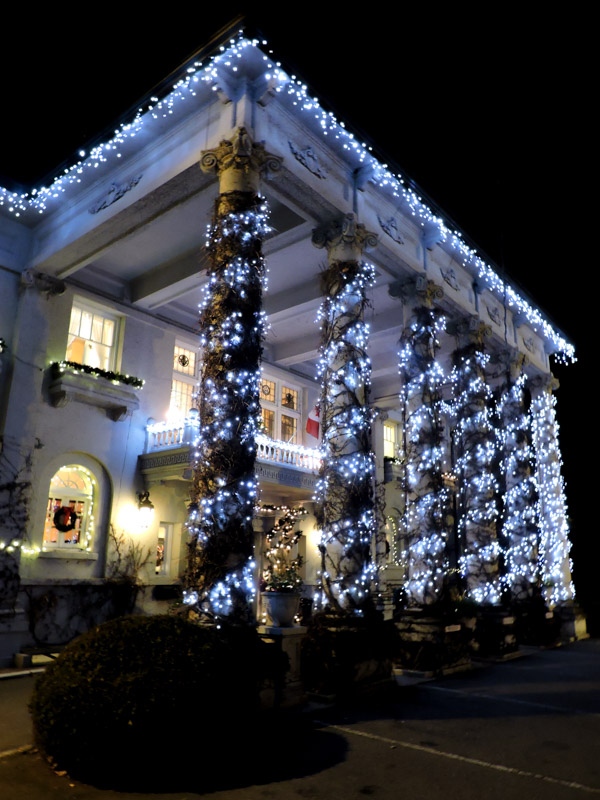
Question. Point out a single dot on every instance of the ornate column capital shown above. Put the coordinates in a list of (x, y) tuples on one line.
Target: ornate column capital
[(239, 163), (545, 383), (420, 288), (344, 239), (471, 330), (513, 362), (45, 284)]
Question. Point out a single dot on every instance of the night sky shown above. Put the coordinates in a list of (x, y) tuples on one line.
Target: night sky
[(486, 112)]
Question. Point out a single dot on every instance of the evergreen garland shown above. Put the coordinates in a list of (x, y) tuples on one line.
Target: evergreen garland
[(58, 367)]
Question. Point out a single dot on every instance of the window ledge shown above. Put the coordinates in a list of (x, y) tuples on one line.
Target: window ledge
[(74, 555), (118, 400)]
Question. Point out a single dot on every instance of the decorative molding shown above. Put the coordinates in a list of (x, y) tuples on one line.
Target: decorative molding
[(390, 226), (449, 275), (45, 284), (529, 343), (494, 314), (285, 477), (116, 192), (309, 160)]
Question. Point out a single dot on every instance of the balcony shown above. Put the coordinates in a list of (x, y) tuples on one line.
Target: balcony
[(69, 382), (168, 456)]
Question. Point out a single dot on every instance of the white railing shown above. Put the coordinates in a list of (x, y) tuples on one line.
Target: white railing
[(167, 435), (291, 455), (162, 436)]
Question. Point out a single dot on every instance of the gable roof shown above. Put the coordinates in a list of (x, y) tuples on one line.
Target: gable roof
[(217, 61)]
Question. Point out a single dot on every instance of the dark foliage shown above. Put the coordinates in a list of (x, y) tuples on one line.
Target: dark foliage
[(145, 703), (343, 656)]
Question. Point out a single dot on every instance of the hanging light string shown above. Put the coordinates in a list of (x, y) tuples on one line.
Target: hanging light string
[(149, 120)]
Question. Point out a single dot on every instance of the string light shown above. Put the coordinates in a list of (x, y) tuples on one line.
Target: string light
[(344, 491), (224, 492), (222, 67)]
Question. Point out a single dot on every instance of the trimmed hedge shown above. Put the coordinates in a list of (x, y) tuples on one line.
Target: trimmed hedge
[(144, 703)]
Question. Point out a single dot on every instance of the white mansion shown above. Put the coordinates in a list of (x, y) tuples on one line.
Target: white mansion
[(102, 278)]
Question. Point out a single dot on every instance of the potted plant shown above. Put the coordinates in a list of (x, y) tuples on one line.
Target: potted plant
[(282, 582), (392, 468)]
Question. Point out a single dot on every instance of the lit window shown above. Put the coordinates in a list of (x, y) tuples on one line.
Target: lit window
[(162, 544), (280, 409), (184, 381), (390, 440), (289, 398), (92, 337), (69, 513), (268, 422)]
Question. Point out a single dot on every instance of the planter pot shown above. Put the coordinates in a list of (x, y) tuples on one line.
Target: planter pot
[(281, 608)]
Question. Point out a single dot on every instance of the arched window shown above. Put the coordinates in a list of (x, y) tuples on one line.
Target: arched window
[(70, 510)]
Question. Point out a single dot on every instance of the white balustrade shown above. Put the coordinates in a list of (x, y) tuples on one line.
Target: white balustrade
[(164, 436)]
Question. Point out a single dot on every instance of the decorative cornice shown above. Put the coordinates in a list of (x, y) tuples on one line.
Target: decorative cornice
[(449, 275), (494, 314), (309, 160), (390, 226), (45, 284), (529, 343), (116, 192)]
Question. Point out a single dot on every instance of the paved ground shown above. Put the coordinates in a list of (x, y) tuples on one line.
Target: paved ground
[(524, 728)]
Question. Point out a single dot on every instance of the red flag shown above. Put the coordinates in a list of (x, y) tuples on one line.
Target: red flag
[(312, 423)]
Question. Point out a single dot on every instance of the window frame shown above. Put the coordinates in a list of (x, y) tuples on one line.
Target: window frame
[(278, 407), (174, 413), (85, 524), (107, 314)]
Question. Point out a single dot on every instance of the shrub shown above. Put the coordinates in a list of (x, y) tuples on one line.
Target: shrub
[(148, 702), (345, 656)]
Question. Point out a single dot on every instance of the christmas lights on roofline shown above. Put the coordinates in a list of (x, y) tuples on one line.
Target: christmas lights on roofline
[(40, 199)]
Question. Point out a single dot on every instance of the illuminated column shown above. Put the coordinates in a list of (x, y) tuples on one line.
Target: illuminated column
[(519, 528), (554, 545), (219, 579), (345, 505), (428, 518), (475, 448), (381, 543)]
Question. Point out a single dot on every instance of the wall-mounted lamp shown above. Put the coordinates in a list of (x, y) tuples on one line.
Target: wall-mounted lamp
[(146, 509)]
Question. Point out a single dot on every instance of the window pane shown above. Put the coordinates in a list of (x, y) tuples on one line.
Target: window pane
[(389, 440), (108, 332), (69, 508), (75, 321), (182, 399), (289, 398), (161, 550), (289, 426), (184, 361), (91, 338), (267, 391), (85, 326), (97, 325), (268, 420)]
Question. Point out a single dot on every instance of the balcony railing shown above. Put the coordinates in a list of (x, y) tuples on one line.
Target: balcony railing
[(162, 436)]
